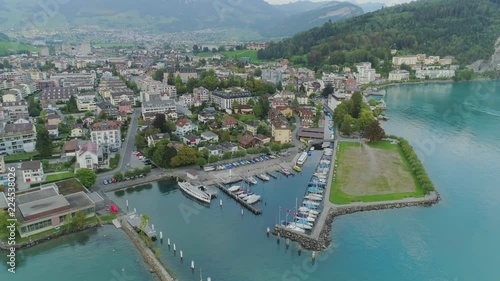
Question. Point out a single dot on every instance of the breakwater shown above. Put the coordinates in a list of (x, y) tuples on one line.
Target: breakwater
[(149, 256), (322, 242)]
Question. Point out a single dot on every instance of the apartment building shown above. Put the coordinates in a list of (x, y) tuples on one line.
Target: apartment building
[(107, 133), (225, 99), (17, 138), (32, 171)]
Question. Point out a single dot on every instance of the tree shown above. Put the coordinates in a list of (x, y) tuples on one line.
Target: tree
[(213, 158), (171, 79), (86, 176), (347, 127), (227, 155), (196, 49), (374, 131), (201, 161), (146, 170), (257, 72), (140, 141), (357, 100), (160, 122), (77, 221), (250, 102), (144, 222), (128, 174), (158, 74), (118, 176), (257, 110), (171, 126), (43, 143), (225, 136), (327, 91), (295, 103), (279, 87), (4, 223), (185, 156), (71, 105), (236, 105)]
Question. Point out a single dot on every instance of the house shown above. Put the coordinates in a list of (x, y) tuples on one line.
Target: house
[(229, 146), (262, 140), (252, 126), (281, 131), (207, 114), (185, 126), (154, 139), (122, 116), (9, 97), (76, 130), (58, 94), (125, 106), (280, 102), (87, 156), (53, 130), (210, 136), (32, 171), (229, 122), (245, 109), (191, 140), (214, 149), (247, 141), (53, 119), (33, 219), (86, 101), (183, 72), (192, 174), (178, 146), (107, 133), (286, 111), (106, 107), (70, 147)]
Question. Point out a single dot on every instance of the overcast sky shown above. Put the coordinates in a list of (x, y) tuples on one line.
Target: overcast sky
[(388, 2)]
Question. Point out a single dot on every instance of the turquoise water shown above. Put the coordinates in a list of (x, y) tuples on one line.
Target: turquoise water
[(455, 130), (103, 254)]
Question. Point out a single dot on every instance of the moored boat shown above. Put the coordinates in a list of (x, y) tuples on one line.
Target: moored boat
[(252, 199), (297, 168), (234, 188), (251, 180), (195, 192)]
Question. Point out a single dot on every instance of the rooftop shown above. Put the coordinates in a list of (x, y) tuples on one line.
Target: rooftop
[(31, 165)]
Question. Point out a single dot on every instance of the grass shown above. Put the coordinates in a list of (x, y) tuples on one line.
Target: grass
[(107, 218), (70, 186), (246, 118), (237, 54), (7, 48), (20, 157), (61, 176), (377, 183)]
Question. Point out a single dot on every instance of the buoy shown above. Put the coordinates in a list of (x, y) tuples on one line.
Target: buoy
[(220, 202), (181, 255), (192, 265), (267, 231)]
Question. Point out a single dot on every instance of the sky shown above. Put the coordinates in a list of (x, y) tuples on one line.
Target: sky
[(387, 2)]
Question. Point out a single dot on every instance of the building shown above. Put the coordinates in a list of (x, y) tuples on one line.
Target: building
[(185, 126), (399, 75), (125, 106), (281, 131), (107, 133), (87, 156), (86, 101), (76, 130), (191, 139), (225, 99), (58, 94), (45, 209), (70, 148), (229, 122), (252, 126), (106, 107), (408, 60), (53, 130), (14, 109), (32, 171), (53, 119), (366, 73), (210, 136), (247, 141), (311, 133), (4, 174), (435, 73), (10, 96), (184, 72), (207, 114), (151, 108), (154, 139), (17, 138)]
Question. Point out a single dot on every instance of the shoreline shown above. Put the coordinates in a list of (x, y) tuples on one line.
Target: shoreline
[(451, 81)]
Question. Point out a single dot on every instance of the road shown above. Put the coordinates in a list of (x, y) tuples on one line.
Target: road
[(126, 150)]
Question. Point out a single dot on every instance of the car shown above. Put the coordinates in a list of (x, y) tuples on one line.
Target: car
[(265, 157), (128, 164), (139, 155), (252, 161), (113, 180), (105, 182), (19, 165)]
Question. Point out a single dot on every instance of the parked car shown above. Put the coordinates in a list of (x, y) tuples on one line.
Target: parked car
[(105, 182), (128, 165)]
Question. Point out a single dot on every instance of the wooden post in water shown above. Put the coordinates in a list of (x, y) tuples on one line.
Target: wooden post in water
[(168, 243), (220, 203), (126, 201), (242, 211), (174, 248), (300, 249), (287, 242), (278, 238), (267, 231), (182, 257), (152, 226), (192, 266), (161, 237), (314, 256)]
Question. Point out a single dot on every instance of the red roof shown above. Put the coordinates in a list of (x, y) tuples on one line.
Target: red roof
[(182, 122)]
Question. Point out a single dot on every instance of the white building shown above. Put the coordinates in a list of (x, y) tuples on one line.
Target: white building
[(86, 156), (151, 108), (86, 101), (107, 133), (185, 126), (399, 75), (17, 138), (408, 60), (32, 171), (225, 99), (366, 73), (435, 73)]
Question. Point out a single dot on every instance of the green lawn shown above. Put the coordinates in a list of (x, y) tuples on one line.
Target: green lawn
[(107, 218), (70, 186), (246, 118), (20, 157), (57, 177), (338, 196), (7, 48), (234, 54)]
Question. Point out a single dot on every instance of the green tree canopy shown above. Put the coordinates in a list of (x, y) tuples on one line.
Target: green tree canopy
[(86, 176), (43, 144)]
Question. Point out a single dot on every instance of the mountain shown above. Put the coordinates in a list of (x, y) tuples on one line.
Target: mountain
[(461, 28), (370, 6), (326, 11), (294, 8), (168, 15)]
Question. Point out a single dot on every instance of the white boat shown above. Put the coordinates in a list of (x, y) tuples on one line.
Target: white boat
[(302, 158), (304, 209), (251, 180), (263, 177), (295, 228), (195, 192), (312, 148), (234, 188), (252, 199), (303, 226), (310, 219), (313, 198), (306, 202), (243, 195)]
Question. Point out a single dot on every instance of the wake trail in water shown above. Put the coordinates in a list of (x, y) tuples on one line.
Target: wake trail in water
[(488, 111)]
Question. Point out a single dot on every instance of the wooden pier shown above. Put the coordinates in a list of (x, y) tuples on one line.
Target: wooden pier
[(272, 175), (249, 207)]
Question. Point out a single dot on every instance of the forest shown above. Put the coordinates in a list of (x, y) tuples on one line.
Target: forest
[(464, 29)]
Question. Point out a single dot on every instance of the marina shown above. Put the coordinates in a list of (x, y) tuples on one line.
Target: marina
[(254, 209)]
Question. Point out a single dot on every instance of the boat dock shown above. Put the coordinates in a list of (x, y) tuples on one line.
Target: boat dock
[(135, 221), (251, 208), (272, 175), (212, 191)]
